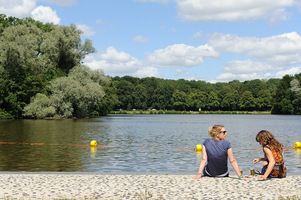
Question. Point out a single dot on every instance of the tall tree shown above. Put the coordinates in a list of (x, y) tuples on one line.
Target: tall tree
[(179, 99), (283, 97), (247, 101), (32, 54), (77, 95), (296, 89)]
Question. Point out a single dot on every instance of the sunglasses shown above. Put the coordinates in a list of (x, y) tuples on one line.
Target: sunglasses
[(224, 132)]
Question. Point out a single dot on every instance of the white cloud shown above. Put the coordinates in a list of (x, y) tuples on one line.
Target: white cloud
[(147, 72), (181, 55), (233, 10), (28, 8), (265, 56), (87, 31), (114, 63), (226, 77), (17, 8), (247, 66), (291, 71), (278, 50), (45, 14), (259, 47), (62, 2), (140, 39)]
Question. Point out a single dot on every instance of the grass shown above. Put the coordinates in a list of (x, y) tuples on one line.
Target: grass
[(187, 112), (290, 198), (145, 195)]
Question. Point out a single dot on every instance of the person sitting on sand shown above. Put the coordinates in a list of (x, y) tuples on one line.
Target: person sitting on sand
[(215, 152), (273, 161)]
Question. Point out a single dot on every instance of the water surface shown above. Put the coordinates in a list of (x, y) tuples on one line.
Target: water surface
[(139, 143)]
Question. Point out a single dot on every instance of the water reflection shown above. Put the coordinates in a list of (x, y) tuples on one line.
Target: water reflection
[(93, 150), (138, 143), (298, 153)]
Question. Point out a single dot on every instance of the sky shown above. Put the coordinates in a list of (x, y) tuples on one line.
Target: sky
[(213, 41)]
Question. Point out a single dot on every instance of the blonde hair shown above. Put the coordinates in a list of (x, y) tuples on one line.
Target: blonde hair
[(215, 130)]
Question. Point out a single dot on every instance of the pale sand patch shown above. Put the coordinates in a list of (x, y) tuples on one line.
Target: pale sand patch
[(100, 186)]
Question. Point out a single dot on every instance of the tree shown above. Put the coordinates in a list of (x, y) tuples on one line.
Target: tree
[(196, 100), (229, 98), (139, 97), (31, 55), (282, 99), (264, 100), (179, 100), (77, 95), (63, 49), (212, 101), (162, 98), (124, 90), (108, 102), (295, 87), (247, 101), (253, 86), (41, 107)]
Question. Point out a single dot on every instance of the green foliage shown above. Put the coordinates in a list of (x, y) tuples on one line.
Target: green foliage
[(77, 95), (247, 101), (40, 107), (41, 75), (179, 99), (183, 95), (296, 89), (283, 97), (5, 115), (32, 54)]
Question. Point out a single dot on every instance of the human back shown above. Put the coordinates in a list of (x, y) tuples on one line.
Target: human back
[(217, 153)]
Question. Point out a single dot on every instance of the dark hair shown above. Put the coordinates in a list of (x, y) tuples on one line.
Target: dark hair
[(267, 138)]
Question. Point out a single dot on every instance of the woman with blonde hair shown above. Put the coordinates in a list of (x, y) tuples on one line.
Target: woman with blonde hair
[(215, 154), (273, 161)]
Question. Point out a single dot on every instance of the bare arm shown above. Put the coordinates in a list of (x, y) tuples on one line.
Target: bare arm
[(233, 162), (202, 164), (271, 164), (256, 160)]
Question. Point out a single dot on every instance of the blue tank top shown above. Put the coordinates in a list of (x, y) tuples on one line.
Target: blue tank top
[(217, 157)]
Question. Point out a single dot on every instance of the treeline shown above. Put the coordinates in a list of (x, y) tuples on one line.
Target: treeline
[(280, 96), (42, 76)]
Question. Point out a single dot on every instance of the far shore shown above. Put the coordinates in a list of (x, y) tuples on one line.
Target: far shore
[(190, 112)]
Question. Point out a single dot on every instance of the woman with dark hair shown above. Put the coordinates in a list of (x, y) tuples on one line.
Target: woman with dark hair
[(273, 161)]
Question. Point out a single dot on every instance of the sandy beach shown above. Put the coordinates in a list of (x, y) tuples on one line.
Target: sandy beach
[(103, 186)]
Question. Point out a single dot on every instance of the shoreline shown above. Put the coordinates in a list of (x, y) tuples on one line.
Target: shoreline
[(65, 185)]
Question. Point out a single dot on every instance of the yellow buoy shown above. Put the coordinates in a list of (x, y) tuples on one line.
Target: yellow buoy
[(93, 143), (297, 144), (198, 147)]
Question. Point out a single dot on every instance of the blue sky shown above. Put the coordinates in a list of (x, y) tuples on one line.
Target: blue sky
[(214, 41)]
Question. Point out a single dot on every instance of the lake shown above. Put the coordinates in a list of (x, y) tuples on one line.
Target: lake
[(138, 143)]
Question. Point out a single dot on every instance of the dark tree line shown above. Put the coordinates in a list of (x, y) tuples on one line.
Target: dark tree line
[(280, 96)]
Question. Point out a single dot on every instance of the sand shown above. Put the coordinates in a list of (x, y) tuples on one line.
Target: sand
[(104, 186)]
